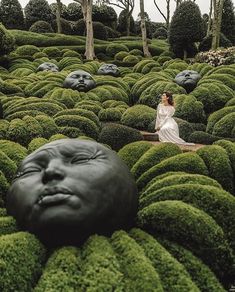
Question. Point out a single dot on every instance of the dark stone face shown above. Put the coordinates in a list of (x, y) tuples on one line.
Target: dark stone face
[(109, 69), (71, 188), (79, 80), (188, 79), (48, 67)]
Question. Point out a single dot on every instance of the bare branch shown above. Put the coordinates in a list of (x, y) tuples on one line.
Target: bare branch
[(160, 10)]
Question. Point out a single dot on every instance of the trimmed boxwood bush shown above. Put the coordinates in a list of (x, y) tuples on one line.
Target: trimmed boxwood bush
[(225, 127), (199, 272), (3, 128), (224, 78), (36, 143), (52, 52), (185, 128), (112, 49), (173, 275), (70, 132), (131, 59), (118, 136), (230, 149), (218, 164), (22, 256), (41, 26), (7, 40), (14, 151), (27, 50), (8, 166), (4, 185), (18, 132), (138, 117), (201, 137), (187, 162), (85, 125), (48, 125), (10, 89), (121, 55), (132, 152), (139, 272), (7, 225), (154, 156), (193, 229), (33, 126), (110, 115), (62, 271)]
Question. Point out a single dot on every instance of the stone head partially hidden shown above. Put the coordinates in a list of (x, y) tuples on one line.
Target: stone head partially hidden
[(70, 189), (188, 79), (48, 67), (79, 80), (109, 69)]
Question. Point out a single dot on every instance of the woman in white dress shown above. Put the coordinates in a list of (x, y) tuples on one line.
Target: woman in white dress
[(165, 126)]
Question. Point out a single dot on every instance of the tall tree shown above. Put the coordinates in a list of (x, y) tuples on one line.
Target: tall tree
[(216, 27), (167, 15), (143, 30), (186, 28), (11, 14), (58, 16), (128, 6), (87, 15), (210, 19), (228, 21)]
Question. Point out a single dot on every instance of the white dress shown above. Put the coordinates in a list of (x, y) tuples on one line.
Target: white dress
[(169, 130)]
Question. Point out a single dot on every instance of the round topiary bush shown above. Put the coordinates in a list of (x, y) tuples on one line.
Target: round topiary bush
[(113, 49), (121, 55), (7, 40), (225, 127), (52, 52), (27, 50), (117, 136), (160, 33), (205, 44), (110, 115), (41, 27), (138, 117)]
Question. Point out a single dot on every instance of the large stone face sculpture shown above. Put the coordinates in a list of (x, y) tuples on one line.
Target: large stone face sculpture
[(71, 188), (109, 69), (79, 80), (47, 67), (188, 79)]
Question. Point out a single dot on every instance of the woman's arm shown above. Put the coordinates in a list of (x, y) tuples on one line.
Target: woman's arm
[(170, 113)]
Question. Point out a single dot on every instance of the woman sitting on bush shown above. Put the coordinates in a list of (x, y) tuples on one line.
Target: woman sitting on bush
[(165, 126)]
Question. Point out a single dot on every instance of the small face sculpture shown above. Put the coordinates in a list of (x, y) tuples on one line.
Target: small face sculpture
[(188, 79), (48, 67), (72, 188), (79, 80), (109, 69)]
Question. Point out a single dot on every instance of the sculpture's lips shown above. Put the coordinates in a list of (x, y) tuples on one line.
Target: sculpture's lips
[(54, 196)]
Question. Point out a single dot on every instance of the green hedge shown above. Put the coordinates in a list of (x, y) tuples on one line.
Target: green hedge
[(117, 136), (217, 203), (225, 126), (201, 137), (36, 143), (8, 166), (47, 124), (139, 272), (138, 117), (112, 49), (132, 152), (21, 256), (7, 225), (199, 272), (3, 128), (187, 162), (4, 186), (154, 156), (27, 50), (218, 164), (230, 149), (14, 151), (195, 230), (110, 115), (173, 275)]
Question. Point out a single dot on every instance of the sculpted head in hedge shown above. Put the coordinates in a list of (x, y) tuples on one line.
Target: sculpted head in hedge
[(109, 69), (188, 79), (48, 67), (79, 80), (71, 188)]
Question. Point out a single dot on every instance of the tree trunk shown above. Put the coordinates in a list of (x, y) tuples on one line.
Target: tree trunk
[(216, 27), (185, 54), (58, 15), (128, 21), (218, 30), (143, 30), (167, 14), (89, 53), (210, 19)]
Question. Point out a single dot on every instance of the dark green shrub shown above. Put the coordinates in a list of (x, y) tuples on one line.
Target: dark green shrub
[(3, 128), (66, 26), (87, 126), (173, 275), (225, 126), (7, 40), (7, 225), (154, 156), (100, 31), (201, 137), (52, 52), (199, 272), (118, 136), (205, 44), (132, 152), (139, 271), (20, 250), (122, 23), (41, 26), (138, 116), (112, 49), (8, 166), (187, 162), (18, 132), (74, 12), (160, 33), (121, 55), (136, 52), (218, 164), (11, 14), (185, 129), (14, 151), (33, 126), (131, 59), (4, 185), (70, 132), (105, 14), (57, 137), (193, 229), (71, 53), (110, 115), (36, 143)]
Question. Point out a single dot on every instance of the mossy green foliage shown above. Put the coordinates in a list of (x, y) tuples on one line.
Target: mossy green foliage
[(3, 128), (154, 156), (27, 50), (202, 276), (47, 124), (138, 117), (173, 275), (110, 115), (117, 136), (3, 212), (201, 137), (36, 143), (7, 225), (21, 258), (14, 151), (62, 271), (218, 164), (132, 152), (7, 42), (194, 229), (8, 166), (187, 162), (138, 270), (113, 49), (225, 126), (230, 149)]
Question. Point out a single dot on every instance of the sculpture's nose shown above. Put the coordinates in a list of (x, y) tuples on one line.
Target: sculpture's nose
[(53, 171), (187, 74), (80, 79)]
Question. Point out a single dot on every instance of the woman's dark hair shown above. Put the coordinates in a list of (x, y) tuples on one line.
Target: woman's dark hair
[(170, 97)]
